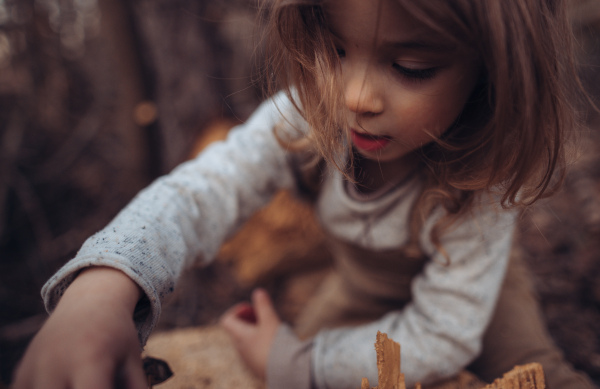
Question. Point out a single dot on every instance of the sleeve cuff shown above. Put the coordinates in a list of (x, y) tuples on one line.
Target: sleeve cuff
[(288, 366)]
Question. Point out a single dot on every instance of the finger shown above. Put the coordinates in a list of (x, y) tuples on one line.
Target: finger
[(100, 375), (243, 311), (45, 379), (265, 311), (236, 327), (232, 311), (135, 378), (21, 379), (37, 371)]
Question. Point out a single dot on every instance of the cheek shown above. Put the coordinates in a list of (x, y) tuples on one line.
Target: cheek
[(441, 110), (431, 114)]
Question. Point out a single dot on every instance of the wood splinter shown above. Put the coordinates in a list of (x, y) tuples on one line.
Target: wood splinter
[(530, 376), (388, 365)]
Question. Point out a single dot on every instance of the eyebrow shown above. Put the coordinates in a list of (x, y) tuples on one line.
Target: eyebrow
[(420, 45), (416, 44)]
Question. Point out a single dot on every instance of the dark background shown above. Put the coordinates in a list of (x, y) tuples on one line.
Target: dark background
[(99, 97)]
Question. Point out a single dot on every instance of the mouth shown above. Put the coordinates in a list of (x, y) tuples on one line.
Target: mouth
[(367, 142)]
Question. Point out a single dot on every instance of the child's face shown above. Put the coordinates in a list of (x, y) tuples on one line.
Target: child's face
[(403, 84)]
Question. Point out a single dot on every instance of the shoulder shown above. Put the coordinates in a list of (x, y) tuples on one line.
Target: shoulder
[(279, 111)]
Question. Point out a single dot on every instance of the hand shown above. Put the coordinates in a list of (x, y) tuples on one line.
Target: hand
[(253, 328), (89, 341)]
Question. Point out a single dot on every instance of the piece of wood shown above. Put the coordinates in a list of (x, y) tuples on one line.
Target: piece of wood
[(530, 376), (388, 364), (201, 358)]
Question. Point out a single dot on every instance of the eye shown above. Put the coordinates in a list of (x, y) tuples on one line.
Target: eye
[(416, 74), (340, 52)]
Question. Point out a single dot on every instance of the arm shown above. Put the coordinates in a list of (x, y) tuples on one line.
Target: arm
[(440, 331), (90, 339), (187, 214)]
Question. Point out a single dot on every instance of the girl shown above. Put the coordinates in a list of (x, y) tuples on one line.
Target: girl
[(436, 120)]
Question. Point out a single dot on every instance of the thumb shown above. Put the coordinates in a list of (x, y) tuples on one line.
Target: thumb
[(265, 311)]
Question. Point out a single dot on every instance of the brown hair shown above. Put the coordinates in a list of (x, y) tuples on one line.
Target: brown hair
[(510, 138)]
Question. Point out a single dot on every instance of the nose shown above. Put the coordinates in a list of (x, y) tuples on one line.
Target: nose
[(362, 94)]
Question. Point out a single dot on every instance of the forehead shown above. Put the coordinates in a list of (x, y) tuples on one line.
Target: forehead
[(384, 22)]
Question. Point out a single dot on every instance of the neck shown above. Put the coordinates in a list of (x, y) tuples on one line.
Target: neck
[(371, 175)]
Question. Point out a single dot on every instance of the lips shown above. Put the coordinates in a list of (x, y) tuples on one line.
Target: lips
[(367, 142)]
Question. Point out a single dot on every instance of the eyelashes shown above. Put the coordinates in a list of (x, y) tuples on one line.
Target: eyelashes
[(411, 74), (416, 74)]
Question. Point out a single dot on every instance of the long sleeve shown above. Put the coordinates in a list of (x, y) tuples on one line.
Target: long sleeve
[(188, 213), (440, 330)]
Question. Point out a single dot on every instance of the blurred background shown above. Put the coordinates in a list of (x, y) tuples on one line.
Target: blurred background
[(99, 97)]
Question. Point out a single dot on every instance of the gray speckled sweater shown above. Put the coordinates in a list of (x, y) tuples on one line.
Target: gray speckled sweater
[(189, 213)]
